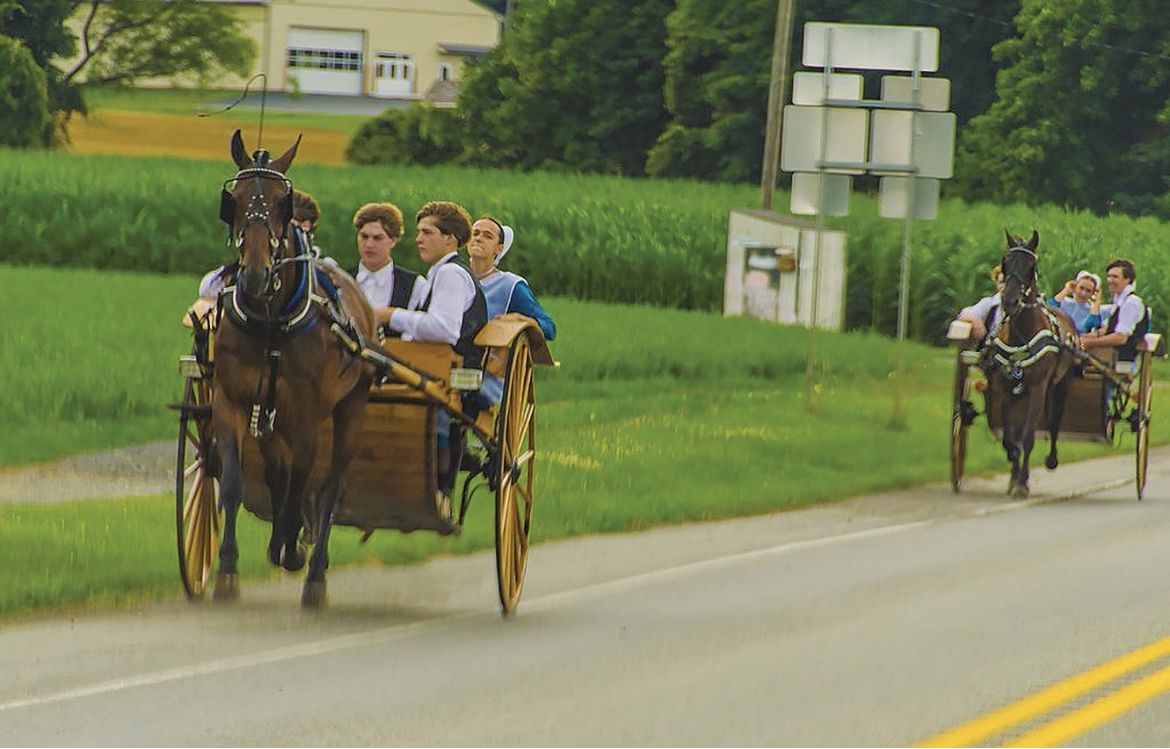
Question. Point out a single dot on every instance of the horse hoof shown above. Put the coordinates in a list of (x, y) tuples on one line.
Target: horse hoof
[(274, 549), (227, 587), (1019, 491), (293, 558), (1051, 462), (313, 596)]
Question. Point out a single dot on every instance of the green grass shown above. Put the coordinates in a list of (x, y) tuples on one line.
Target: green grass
[(655, 416), (191, 101)]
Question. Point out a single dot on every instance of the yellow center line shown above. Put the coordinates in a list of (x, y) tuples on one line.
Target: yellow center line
[(999, 721), (1095, 713)]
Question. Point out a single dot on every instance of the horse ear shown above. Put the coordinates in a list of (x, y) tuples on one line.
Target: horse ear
[(284, 161), (1006, 233), (1034, 241), (239, 153)]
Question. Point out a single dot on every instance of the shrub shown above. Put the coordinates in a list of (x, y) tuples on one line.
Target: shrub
[(25, 119), (419, 134)]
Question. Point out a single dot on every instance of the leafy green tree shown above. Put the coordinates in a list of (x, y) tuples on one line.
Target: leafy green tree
[(24, 98), (575, 84), (121, 41), (719, 64), (1082, 110)]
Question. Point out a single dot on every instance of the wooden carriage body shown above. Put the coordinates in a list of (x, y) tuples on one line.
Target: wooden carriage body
[(392, 481)]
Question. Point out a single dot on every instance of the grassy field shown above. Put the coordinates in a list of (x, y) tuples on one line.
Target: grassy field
[(656, 416)]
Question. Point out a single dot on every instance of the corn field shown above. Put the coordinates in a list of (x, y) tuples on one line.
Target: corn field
[(658, 242)]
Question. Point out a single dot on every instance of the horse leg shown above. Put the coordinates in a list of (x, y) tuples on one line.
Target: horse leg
[(293, 556), (1057, 395), (231, 487), (1031, 421), (347, 420), (276, 477)]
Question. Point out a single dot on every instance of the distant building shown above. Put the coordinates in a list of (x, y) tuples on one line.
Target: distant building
[(401, 49)]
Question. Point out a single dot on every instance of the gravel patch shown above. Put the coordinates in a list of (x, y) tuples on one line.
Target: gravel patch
[(124, 472)]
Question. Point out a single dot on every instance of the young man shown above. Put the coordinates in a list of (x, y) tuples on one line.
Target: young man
[(1127, 315), (452, 311), (386, 285)]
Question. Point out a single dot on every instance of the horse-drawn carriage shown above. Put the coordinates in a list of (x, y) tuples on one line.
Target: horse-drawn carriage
[(389, 466), (1098, 395)]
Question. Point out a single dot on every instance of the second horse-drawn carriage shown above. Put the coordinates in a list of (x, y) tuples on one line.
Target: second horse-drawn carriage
[(1090, 398)]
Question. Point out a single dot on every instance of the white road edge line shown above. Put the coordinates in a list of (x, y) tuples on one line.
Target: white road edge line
[(398, 631)]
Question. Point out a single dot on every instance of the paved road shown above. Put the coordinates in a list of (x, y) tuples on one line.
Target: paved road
[(883, 620)]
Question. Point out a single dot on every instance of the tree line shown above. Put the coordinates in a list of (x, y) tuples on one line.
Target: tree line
[(1062, 102)]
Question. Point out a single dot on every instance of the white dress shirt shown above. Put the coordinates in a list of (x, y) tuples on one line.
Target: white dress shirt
[(378, 286), (981, 308), (452, 293), (1129, 308)]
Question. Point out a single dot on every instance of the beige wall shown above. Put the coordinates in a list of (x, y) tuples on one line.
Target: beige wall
[(413, 27)]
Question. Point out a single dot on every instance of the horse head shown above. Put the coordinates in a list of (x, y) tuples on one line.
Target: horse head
[(257, 205), (1019, 272)]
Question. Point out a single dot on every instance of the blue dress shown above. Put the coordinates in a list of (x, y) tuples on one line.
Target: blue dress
[(507, 292)]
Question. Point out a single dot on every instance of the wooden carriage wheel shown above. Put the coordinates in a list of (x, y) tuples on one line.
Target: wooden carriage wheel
[(198, 515), (1144, 400), (516, 434), (958, 428)]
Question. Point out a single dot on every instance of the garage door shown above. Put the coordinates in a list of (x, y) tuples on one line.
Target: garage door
[(325, 61)]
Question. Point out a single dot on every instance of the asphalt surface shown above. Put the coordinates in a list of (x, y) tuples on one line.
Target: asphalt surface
[(877, 621)]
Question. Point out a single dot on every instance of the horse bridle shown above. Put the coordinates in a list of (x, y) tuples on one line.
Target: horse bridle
[(1027, 284), (259, 211)]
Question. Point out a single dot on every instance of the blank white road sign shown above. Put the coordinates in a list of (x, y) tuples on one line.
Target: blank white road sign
[(867, 47)]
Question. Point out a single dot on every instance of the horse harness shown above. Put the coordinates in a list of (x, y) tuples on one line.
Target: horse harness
[(296, 317), (1012, 360)]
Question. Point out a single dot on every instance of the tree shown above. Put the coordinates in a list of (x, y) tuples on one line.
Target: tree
[(575, 84), (718, 67), (419, 134), (24, 98), (121, 41), (1082, 109)]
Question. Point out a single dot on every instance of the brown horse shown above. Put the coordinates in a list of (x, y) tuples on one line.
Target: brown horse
[(1029, 356), (281, 371)]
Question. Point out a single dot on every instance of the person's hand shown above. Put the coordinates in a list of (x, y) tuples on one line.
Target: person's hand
[(978, 329)]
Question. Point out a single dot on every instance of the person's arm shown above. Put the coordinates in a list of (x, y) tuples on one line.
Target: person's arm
[(1068, 289), (976, 314), (524, 302), (444, 318)]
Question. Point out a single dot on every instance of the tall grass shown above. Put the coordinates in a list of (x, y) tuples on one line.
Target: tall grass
[(655, 416), (656, 242)]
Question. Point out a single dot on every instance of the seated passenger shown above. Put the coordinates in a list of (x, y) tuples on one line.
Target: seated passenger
[(385, 284), (452, 311), (306, 215), (505, 292), (1126, 319), (984, 314), (1080, 299)]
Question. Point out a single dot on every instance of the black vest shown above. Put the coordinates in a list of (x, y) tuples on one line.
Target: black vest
[(1128, 350), (474, 318), (400, 291)]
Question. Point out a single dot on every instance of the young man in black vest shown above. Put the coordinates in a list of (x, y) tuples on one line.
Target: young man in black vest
[(385, 284), (452, 311), (1127, 317)]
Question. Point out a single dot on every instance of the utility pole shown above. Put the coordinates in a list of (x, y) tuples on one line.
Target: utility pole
[(777, 90)]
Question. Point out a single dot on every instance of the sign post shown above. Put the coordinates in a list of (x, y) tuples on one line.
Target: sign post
[(906, 137)]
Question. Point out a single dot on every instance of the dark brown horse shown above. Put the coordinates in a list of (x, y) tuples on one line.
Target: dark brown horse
[(1029, 359), (281, 371)]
